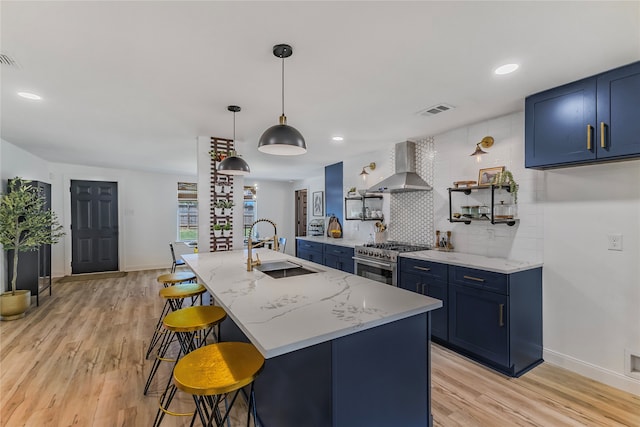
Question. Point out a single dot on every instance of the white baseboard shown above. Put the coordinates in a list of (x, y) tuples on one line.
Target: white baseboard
[(606, 376)]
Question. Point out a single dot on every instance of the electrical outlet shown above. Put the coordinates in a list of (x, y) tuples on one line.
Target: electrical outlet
[(615, 242)]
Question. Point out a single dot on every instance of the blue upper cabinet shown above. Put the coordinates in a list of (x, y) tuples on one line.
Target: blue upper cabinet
[(586, 121)]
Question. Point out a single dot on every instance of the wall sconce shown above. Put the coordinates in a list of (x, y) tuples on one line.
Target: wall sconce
[(486, 142), (364, 173)]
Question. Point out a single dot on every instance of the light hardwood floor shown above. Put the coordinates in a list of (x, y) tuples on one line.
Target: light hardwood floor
[(78, 360)]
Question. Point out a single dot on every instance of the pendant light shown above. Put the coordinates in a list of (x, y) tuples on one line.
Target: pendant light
[(282, 139), (233, 165)]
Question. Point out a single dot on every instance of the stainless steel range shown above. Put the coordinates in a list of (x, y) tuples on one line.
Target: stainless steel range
[(378, 261)]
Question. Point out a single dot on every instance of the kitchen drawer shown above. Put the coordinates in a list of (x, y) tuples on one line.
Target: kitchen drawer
[(481, 279), (425, 268), (310, 246), (340, 251)]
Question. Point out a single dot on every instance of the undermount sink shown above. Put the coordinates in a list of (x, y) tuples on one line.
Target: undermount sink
[(281, 269)]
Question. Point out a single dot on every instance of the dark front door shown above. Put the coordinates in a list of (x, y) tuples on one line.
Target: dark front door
[(94, 226)]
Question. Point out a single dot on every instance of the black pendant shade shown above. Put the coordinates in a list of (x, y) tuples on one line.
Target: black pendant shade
[(233, 165), (282, 139)]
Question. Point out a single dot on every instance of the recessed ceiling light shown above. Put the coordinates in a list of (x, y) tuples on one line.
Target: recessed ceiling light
[(506, 69), (29, 95), (337, 138)]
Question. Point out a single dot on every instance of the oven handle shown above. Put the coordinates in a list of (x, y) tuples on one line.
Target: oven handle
[(372, 263)]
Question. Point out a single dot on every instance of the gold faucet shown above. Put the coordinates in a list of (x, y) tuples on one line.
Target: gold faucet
[(250, 262)]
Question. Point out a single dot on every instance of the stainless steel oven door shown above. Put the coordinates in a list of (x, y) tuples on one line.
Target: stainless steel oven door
[(379, 271)]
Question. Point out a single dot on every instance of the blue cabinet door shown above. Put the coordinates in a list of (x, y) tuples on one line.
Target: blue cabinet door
[(619, 112), (439, 322), (560, 125), (478, 323), (426, 285)]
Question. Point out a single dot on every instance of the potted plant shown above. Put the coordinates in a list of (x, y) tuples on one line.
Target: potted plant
[(24, 226), (217, 230), (228, 204), (219, 207), (226, 230), (505, 178)]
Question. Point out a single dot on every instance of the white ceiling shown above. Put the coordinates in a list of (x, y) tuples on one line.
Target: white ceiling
[(133, 84)]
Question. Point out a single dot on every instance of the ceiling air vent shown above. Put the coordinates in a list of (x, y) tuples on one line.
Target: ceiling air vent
[(7, 60), (436, 109)]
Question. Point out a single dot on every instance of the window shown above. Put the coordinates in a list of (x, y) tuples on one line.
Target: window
[(187, 212)]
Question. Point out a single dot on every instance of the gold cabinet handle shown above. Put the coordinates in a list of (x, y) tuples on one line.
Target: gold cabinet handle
[(589, 128), (501, 321), (602, 144), (476, 279), (421, 268)]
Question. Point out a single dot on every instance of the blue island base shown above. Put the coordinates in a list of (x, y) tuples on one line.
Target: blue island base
[(379, 377)]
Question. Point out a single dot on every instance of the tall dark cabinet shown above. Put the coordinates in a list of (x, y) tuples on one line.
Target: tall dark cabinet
[(34, 267)]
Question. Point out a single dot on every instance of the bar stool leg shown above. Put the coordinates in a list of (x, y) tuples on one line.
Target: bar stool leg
[(159, 331)]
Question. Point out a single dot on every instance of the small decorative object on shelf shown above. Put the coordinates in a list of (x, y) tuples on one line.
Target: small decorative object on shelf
[(226, 230), (506, 178), (457, 184), (488, 175)]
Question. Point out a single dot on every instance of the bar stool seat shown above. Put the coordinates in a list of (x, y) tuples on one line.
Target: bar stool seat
[(191, 326), (171, 279), (211, 372)]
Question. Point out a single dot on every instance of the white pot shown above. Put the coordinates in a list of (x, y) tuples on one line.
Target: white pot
[(219, 188), (226, 233), (219, 211), (217, 233)]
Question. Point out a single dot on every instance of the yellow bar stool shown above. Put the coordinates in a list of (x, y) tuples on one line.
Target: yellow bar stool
[(171, 279), (212, 372), (173, 296), (191, 326)]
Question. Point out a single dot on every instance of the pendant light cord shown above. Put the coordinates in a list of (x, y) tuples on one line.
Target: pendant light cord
[(282, 84)]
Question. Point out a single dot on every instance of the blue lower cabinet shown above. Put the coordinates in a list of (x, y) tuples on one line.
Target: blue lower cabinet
[(493, 318), (339, 257), (310, 251), (334, 256), (496, 318)]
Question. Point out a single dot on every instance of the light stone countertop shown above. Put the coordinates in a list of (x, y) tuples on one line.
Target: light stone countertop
[(497, 265), (283, 315), (331, 241)]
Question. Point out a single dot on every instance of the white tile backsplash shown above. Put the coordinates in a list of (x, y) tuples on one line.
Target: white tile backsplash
[(453, 163)]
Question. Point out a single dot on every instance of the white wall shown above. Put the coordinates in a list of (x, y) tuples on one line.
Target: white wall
[(592, 294), (147, 207)]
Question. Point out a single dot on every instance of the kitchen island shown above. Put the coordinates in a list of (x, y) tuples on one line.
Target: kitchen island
[(340, 350)]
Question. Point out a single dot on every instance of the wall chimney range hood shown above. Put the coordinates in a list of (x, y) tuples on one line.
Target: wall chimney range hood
[(405, 179)]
